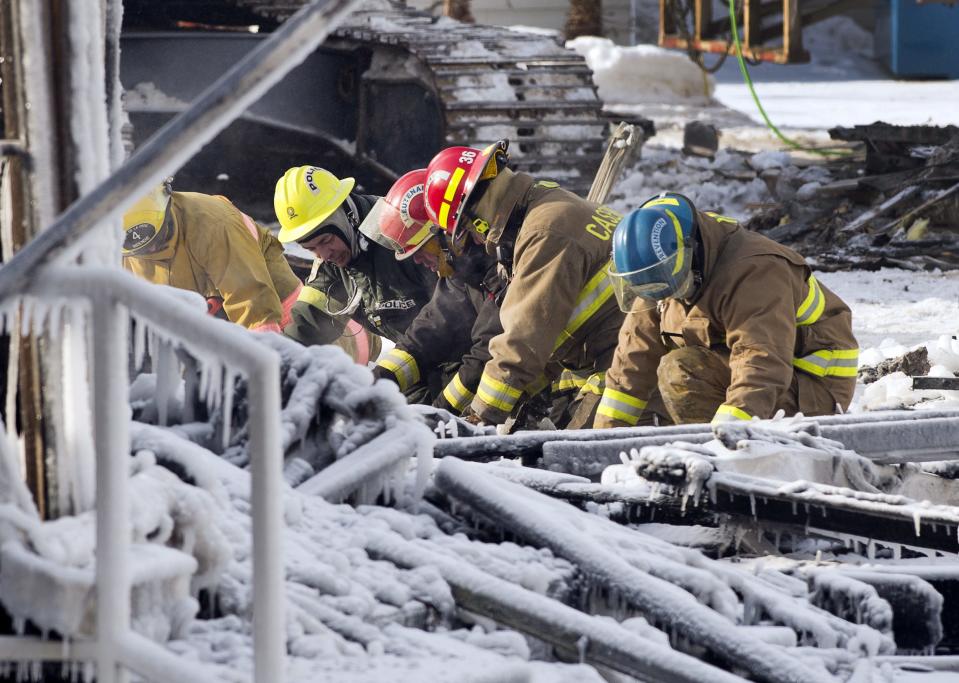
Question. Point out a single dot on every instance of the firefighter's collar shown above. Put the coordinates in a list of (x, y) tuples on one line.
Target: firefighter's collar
[(500, 198)]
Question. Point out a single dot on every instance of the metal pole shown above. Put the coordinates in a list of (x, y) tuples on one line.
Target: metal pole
[(112, 438), (269, 579), (182, 137)]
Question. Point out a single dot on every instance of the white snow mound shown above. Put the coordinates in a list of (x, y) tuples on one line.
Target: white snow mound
[(642, 74)]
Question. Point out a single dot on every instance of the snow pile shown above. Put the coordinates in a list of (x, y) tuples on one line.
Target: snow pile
[(894, 390), (642, 74), (47, 571), (353, 618)]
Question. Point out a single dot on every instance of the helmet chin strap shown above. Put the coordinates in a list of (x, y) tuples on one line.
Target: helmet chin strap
[(356, 239)]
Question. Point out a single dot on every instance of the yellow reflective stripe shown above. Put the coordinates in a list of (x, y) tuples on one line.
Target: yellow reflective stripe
[(497, 394), (454, 183), (568, 380), (621, 397), (679, 242), (810, 310), (420, 236), (595, 384), (833, 363), (444, 215), (667, 201), (726, 412), (457, 395), (314, 297), (620, 406), (403, 365), (608, 411), (720, 218), (597, 292)]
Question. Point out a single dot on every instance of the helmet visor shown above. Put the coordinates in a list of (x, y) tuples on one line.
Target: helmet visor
[(383, 215), (640, 290)]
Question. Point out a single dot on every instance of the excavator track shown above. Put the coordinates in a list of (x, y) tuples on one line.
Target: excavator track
[(490, 83)]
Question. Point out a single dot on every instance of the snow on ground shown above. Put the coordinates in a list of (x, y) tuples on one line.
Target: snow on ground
[(908, 307)]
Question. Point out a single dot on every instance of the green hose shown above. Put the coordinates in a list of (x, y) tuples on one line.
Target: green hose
[(752, 91)]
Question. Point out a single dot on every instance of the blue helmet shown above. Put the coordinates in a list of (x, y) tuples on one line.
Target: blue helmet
[(653, 251)]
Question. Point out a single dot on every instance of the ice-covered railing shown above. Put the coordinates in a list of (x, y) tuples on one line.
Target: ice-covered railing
[(110, 295), (161, 156)]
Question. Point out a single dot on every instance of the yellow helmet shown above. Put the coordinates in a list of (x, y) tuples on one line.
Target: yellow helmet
[(143, 222), (305, 197)]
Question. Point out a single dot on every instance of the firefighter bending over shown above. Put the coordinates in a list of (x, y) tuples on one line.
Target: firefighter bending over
[(448, 342), (204, 244), (723, 324), (353, 277), (553, 250)]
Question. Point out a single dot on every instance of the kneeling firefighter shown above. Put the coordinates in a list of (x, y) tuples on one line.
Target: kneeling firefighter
[(352, 278), (723, 324), (204, 244), (553, 252)]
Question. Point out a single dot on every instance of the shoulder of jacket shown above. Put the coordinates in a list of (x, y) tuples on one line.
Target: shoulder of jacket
[(746, 244)]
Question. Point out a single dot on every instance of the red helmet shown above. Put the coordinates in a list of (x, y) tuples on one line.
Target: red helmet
[(451, 177), (398, 221)]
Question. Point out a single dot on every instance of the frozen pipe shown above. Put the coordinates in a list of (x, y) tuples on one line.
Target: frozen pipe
[(607, 643), (336, 482), (512, 507), (530, 444), (899, 441), (112, 438), (592, 457), (236, 349), (156, 663), (881, 438), (29, 649), (182, 137)]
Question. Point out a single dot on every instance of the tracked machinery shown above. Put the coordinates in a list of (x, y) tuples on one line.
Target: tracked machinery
[(390, 88)]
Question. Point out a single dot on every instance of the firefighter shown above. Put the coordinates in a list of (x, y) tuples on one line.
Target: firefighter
[(453, 330), (205, 244), (352, 277), (553, 254), (723, 324)]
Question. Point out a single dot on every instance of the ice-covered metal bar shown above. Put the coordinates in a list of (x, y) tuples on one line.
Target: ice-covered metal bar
[(233, 345), (594, 640), (529, 445), (182, 137), (515, 508), (112, 438), (887, 437), (336, 482)]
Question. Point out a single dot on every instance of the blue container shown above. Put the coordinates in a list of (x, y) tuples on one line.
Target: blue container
[(918, 41)]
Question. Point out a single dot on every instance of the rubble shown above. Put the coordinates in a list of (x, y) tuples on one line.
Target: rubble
[(894, 201)]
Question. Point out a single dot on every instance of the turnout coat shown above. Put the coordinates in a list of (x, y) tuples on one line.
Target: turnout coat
[(559, 310), (222, 254), (762, 309)]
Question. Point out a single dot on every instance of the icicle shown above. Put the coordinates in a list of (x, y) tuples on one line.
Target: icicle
[(752, 504), (917, 520), (229, 381), (795, 505), (139, 342)]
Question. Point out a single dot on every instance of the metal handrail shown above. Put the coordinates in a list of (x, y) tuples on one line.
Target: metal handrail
[(112, 293), (182, 137)]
